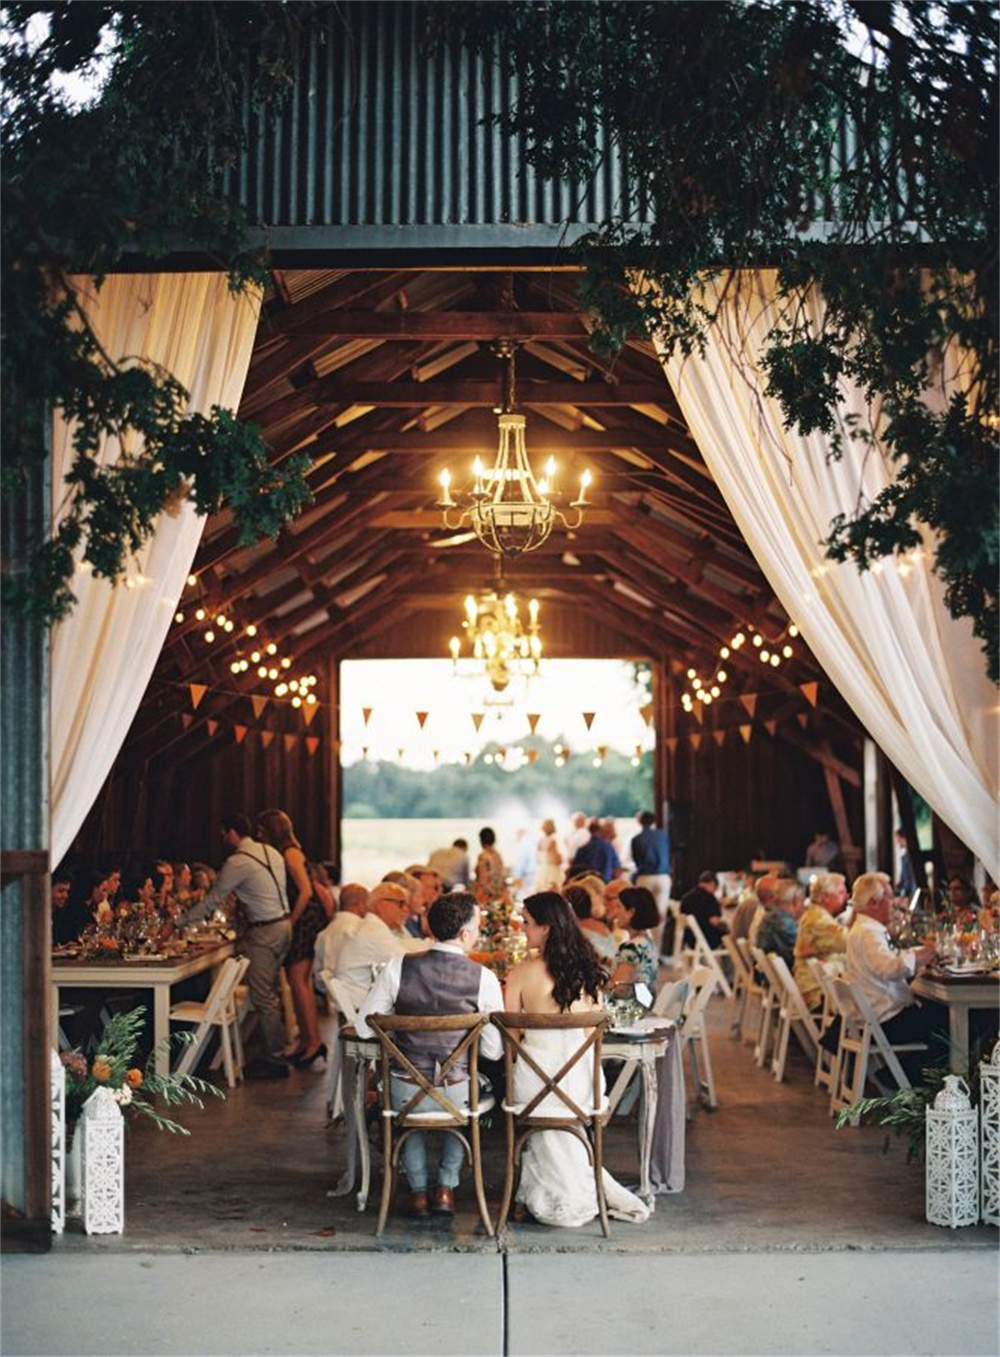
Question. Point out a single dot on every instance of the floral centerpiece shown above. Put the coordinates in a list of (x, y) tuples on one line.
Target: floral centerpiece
[(134, 1087)]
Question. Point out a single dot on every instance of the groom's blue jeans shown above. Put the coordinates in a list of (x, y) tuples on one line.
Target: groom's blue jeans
[(414, 1151)]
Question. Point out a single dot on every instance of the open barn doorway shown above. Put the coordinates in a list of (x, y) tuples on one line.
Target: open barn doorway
[(431, 753)]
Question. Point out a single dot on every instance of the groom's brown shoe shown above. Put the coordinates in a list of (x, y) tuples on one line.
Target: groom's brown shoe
[(444, 1201), (415, 1205)]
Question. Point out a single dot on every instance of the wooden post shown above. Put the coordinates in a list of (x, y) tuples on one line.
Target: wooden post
[(663, 719), (333, 781)]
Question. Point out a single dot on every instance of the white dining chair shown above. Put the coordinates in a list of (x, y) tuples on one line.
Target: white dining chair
[(698, 953), (753, 1008), (741, 985), (863, 1040), (827, 1059), (769, 1004), (217, 1011), (694, 1035), (793, 1017), (344, 1014)]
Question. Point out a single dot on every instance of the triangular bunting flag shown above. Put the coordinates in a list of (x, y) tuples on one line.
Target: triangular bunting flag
[(266, 738), (364, 751), (671, 743), (771, 727), (422, 718), (366, 714), (240, 732), (309, 711), (211, 727), (699, 712), (588, 718), (810, 691), (290, 742), (259, 704), (719, 736), (477, 719), (312, 743), (399, 753), (602, 751), (533, 719), (647, 713), (638, 751), (749, 701), (746, 732), (186, 719), (803, 718), (435, 754), (695, 739), (501, 754), (468, 758), (197, 691), (532, 755)]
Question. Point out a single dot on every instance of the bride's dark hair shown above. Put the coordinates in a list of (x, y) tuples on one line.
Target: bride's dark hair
[(575, 967)]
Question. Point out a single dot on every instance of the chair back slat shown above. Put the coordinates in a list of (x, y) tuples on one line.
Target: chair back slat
[(510, 1025), (471, 1024)]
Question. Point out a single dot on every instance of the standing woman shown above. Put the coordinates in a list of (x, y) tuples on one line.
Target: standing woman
[(548, 870), (308, 918)]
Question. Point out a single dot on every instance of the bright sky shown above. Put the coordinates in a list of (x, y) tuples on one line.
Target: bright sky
[(396, 690)]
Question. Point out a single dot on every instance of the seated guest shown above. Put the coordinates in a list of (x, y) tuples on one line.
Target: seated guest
[(431, 883), (65, 928), (582, 903), (88, 898), (351, 909), (882, 974), (779, 929), (380, 937), (634, 909), (416, 912), (163, 882), (703, 904), (435, 983), (766, 887), (743, 916), (596, 855), (819, 935)]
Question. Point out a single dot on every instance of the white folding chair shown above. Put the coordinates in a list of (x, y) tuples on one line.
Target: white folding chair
[(827, 1061), (671, 998), (769, 1006), (793, 1016), (863, 1039), (694, 1035), (755, 995), (218, 1010), (741, 985), (344, 1012), (698, 953)]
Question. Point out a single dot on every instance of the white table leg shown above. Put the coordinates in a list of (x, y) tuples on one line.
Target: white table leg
[(646, 1123), (349, 1076), (360, 1088), (161, 1027), (54, 1016)]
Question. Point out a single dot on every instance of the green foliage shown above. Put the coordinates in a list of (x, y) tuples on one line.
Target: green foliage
[(386, 791), (130, 174), (730, 118)]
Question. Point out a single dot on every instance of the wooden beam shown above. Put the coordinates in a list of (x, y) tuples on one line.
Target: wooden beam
[(338, 391), (447, 324)]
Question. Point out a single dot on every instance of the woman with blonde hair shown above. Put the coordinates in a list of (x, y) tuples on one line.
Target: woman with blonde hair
[(308, 919), (548, 859)]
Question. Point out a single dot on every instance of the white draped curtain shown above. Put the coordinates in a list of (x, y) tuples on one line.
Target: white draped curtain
[(913, 675), (103, 654)]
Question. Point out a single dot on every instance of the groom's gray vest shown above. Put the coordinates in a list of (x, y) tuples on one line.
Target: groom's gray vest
[(436, 984)]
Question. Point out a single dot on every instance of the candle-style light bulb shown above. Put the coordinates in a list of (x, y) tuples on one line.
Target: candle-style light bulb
[(533, 609), (454, 645), (550, 468), (510, 606), (471, 610)]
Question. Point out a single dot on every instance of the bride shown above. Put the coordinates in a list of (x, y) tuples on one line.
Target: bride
[(557, 1181)]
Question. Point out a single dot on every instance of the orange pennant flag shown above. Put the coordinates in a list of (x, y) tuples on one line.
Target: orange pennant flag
[(197, 691), (532, 755), (422, 719), (803, 718), (312, 743), (695, 739), (366, 714), (399, 753), (638, 751), (719, 736), (533, 719), (211, 727), (771, 727), (588, 717), (435, 754), (749, 701), (602, 751), (477, 718), (647, 713), (699, 712), (259, 704), (266, 738), (309, 711), (501, 754), (240, 732), (364, 751), (810, 691), (290, 742), (746, 732), (468, 758), (186, 719), (671, 743)]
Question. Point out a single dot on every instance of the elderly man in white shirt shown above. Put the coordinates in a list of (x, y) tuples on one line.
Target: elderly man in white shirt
[(883, 974), (376, 940), (351, 910)]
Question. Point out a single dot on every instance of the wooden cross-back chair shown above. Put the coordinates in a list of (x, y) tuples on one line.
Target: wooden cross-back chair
[(448, 1116), (524, 1119)]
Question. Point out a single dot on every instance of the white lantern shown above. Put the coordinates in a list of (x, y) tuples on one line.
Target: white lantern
[(989, 1115), (952, 1157), (57, 1076), (103, 1163)]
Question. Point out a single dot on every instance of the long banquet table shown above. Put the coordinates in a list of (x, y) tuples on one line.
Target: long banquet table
[(959, 994), (159, 976)]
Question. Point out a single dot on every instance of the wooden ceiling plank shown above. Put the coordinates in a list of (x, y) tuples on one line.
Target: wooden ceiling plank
[(447, 324)]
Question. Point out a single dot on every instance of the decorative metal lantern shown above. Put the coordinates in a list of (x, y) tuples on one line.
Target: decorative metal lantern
[(57, 1076), (952, 1157), (103, 1164), (989, 1116)]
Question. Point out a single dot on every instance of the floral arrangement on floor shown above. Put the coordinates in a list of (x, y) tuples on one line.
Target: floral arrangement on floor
[(113, 1066)]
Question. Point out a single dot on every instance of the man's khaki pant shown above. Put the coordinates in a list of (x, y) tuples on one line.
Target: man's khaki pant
[(266, 946)]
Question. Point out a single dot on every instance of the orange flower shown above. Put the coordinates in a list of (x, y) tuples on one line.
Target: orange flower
[(134, 1077), (101, 1070)]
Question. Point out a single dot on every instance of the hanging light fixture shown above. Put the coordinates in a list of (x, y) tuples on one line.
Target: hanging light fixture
[(508, 509), (498, 637)]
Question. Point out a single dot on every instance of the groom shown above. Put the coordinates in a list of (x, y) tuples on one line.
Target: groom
[(439, 982)]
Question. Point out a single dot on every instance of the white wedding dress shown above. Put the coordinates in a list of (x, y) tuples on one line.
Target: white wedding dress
[(557, 1181)]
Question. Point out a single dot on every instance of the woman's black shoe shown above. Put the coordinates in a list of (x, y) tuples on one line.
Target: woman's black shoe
[(304, 1062)]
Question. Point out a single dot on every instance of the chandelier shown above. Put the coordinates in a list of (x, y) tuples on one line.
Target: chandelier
[(498, 638), (507, 508)]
